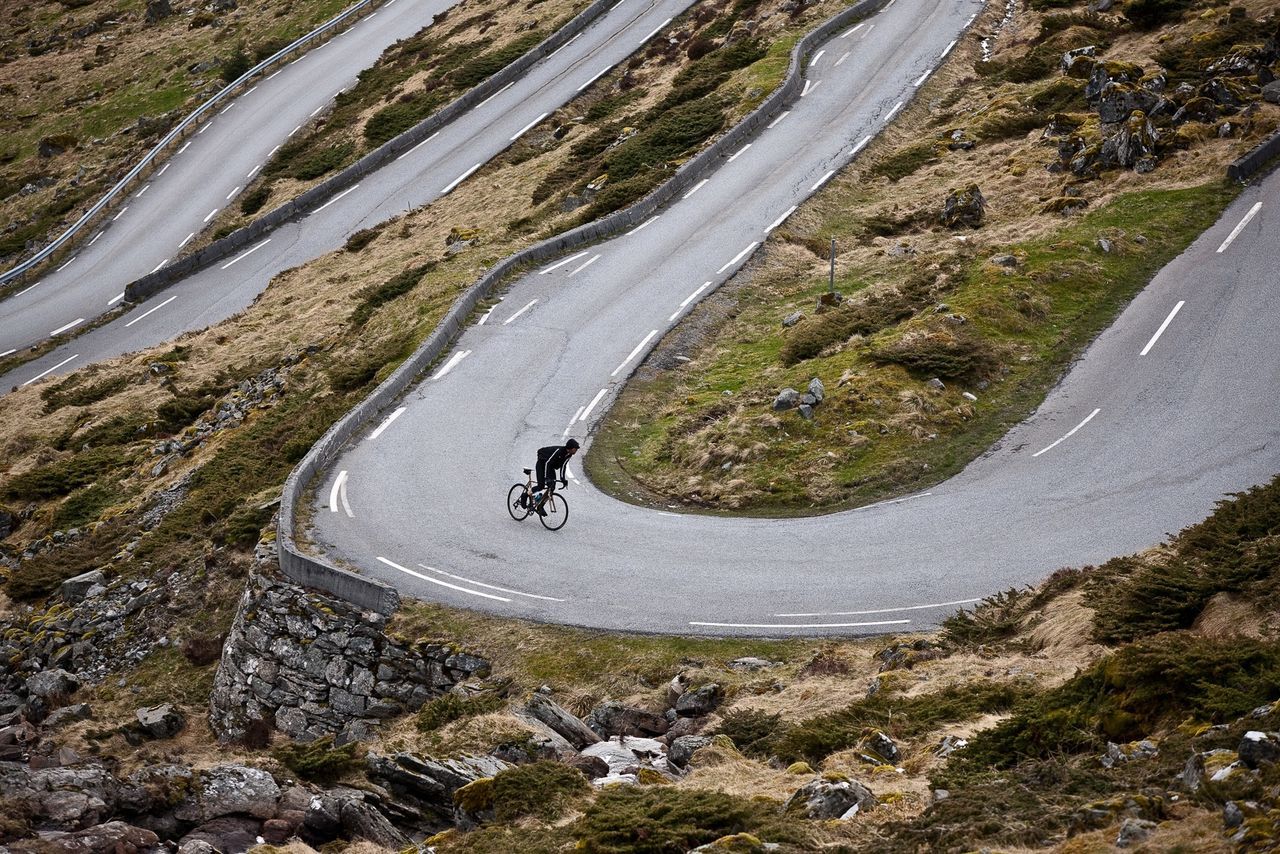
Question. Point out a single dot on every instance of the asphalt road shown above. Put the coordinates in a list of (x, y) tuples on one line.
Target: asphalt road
[(422, 174), (204, 175)]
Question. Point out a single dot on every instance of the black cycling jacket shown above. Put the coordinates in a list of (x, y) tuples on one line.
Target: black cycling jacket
[(552, 460)]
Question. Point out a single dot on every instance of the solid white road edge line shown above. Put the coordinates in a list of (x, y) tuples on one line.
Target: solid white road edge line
[(822, 180), (62, 329), (157, 308), (592, 405), (1070, 433), (780, 220), (882, 610), (386, 423), (246, 253), (566, 429), (528, 306), (528, 127), (1253, 211), (416, 574), (816, 57), (780, 117), (585, 265), (563, 262), (338, 197), (738, 153), (50, 370), (633, 353), (1163, 327), (640, 226), (456, 181), (696, 187), (738, 257), (339, 493), (451, 364), (656, 30), (797, 625), (593, 79), (419, 145), (489, 586)]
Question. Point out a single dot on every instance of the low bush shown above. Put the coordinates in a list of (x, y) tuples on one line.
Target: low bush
[(322, 162), (450, 707), (70, 392), (376, 296), (487, 64), (252, 201), (84, 505), (994, 619), (864, 317), (235, 65), (542, 790), (360, 239), (40, 575), (752, 731), (319, 761), (945, 353), (905, 161), (203, 649), (186, 406), (65, 476), (663, 819), (901, 717), (1149, 14)]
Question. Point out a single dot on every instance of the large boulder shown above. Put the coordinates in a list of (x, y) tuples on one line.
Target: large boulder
[(1118, 101), (965, 206), (227, 835), (699, 701), (832, 796), (613, 718), (1110, 71), (683, 748), (568, 726), (230, 790), (1133, 145), (1271, 92), (53, 686), (788, 398), (61, 798), (114, 837), (427, 784), (1078, 63), (73, 590), (627, 756), (162, 721), (1259, 748)]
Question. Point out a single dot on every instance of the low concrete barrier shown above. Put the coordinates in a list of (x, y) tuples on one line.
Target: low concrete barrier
[(152, 284), (316, 571), (142, 169), (1249, 164)]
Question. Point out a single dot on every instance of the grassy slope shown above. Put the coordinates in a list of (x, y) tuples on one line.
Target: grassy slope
[(924, 300), (96, 87)]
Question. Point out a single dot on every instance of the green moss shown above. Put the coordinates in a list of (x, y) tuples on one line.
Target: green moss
[(451, 707), (319, 761)]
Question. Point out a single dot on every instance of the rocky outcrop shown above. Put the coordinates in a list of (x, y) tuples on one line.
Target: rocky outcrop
[(964, 207), (427, 785), (830, 797), (310, 665)]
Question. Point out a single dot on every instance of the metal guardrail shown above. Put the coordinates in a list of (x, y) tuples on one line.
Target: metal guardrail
[(315, 571), (190, 121)]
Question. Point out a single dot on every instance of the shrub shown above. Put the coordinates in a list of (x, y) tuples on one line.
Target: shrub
[(662, 819), (905, 161), (450, 707), (252, 201), (360, 368), (752, 731), (65, 476), (84, 506), (950, 354), (360, 239), (237, 64), (375, 296), (69, 392), (322, 162), (395, 119), (486, 64), (995, 618), (675, 132), (900, 717), (1149, 14), (186, 406), (41, 575), (319, 761), (867, 316), (541, 790)]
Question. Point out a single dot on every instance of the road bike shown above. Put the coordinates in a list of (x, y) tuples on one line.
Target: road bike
[(520, 504)]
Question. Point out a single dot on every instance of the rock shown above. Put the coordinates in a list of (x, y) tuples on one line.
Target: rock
[(227, 834), (677, 686), (1196, 110), (792, 319), (61, 798), (1110, 71), (1132, 144), (158, 10), (904, 656), (1271, 92), (738, 843), (788, 398), (1259, 748), (592, 767), (1009, 261), (427, 784), (1117, 754), (571, 728), (163, 721), (73, 590), (683, 748), (1118, 101), (1232, 815), (1105, 245), (362, 821), (880, 746), (806, 411), (935, 384), (6, 523), (817, 390), (964, 207), (197, 846), (700, 701), (613, 718), (750, 663), (53, 686), (277, 831), (939, 795), (228, 790), (625, 756), (1133, 830), (800, 769), (683, 726), (68, 714), (836, 797), (52, 146), (969, 396), (114, 837), (1078, 63)]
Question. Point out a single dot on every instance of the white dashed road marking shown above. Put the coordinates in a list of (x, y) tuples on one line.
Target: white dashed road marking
[(780, 117), (456, 181), (780, 220), (561, 263), (122, 210), (593, 79), (736, 258), (822, 180), (1253, 211), (853, 30), (882, 610), (386, 423), (339, 493), (585, 265), (71, 325), (419, 145), (186, 240), (50, 370), (634, 352), (1070, 433), (211, 215), (1163, 327), (149, 311), (656, 30), (246, 254), (451, 364), (158, 266), (592, 405), (696, 187), (528, 127), (528, 306), (488, 586), (739, 152), (797, 625), (690, 298), (641, 225), (337, 198), (816, 57)]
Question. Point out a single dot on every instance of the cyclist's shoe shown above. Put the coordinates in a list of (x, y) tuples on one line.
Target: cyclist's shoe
[(542, 511), (524, 501)]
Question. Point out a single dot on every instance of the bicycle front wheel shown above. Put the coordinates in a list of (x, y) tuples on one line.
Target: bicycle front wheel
[(557, 512), (518, 512)]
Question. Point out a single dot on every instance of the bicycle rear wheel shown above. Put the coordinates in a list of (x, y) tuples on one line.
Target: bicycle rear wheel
[(517, 512), (557, 510)]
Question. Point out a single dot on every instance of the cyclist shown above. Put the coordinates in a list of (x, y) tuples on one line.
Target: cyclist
[(552, 460)]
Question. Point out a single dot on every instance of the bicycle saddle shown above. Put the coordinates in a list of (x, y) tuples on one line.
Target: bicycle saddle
[(528, 471)]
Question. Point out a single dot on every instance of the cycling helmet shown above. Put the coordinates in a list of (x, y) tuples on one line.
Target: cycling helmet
[(572, 443)]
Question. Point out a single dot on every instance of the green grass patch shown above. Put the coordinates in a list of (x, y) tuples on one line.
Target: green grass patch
[(542, 790), (451, 707), (65, 476), (319, 761)]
